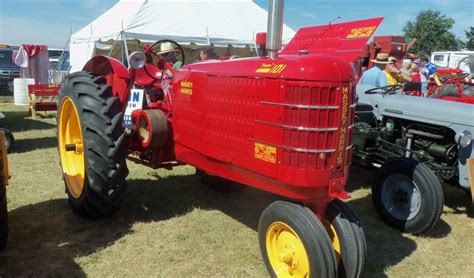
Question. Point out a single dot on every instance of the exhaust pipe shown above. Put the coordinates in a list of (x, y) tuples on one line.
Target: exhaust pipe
[(274, 27)]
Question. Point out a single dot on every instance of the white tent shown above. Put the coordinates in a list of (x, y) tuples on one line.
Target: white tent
[(220, 22)]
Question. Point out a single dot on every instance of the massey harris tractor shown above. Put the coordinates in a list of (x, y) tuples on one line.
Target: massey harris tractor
[(282, 124), (419, 142)]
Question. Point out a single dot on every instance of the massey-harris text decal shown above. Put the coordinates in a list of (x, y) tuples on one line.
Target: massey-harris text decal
[(186, 88), (341, 144)]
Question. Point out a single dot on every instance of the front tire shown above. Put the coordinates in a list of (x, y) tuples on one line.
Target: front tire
[(408, 195), (347, 237), (92, 145), (294, 243)]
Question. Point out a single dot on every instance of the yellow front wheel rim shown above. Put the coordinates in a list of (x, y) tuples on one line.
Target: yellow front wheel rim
[(71, 147), (286, 251), (336, 244)]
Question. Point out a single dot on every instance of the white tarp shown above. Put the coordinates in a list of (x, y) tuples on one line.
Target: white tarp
[(107, 26), (220, 22)]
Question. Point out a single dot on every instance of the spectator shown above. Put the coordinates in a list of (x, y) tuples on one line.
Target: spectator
[(425, 63), (406, 63), (207, 53), (424, 83), (391, 71), (376, 76), (395, 75), (415, 79), (169, 53)]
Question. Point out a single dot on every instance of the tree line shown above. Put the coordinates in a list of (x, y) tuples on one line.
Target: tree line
[(431, 29)]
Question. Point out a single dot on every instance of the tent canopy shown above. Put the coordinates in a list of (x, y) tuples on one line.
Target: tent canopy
[(218, 22)]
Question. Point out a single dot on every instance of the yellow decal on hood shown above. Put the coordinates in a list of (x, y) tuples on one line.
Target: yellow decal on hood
[(361, 32), (265, 153), (271, 68)]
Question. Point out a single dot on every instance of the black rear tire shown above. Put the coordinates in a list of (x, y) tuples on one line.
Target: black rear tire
[(9, 139), (415, 210), (342, 224), (104, 144), (310, 232)]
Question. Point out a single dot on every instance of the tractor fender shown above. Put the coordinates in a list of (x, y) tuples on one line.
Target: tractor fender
[(114, 72)]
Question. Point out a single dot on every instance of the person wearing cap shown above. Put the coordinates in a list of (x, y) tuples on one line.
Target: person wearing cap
[(169, 53), (376, 76)]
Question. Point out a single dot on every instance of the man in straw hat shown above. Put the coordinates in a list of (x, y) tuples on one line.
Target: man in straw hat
[(169, 53), (376, 76)]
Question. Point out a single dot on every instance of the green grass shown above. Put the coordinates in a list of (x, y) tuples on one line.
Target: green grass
[(172, 226)]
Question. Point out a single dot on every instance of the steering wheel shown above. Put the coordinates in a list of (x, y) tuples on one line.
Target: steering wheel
[(390, 89), (459, 76), (454, 78), (167, 55)]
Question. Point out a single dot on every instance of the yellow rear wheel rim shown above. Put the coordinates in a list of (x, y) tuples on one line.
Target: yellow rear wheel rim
[(286, 251), (71, 148)]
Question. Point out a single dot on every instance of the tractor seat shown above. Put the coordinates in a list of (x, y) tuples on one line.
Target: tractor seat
[(363, 107), (449, 90)]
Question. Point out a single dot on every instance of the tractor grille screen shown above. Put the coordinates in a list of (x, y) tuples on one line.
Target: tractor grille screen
[(313, 124)]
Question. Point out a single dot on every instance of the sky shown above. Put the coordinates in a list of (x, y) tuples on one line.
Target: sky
[(51, 22)]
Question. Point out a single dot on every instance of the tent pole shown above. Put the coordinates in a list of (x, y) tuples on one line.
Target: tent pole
[(125, 47)]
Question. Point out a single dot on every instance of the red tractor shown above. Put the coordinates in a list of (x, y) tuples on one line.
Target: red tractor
[(282, 124), (452, 85)]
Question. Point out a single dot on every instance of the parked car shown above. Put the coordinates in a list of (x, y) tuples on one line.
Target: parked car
[(8, 71), (452, 59), (59, 59)]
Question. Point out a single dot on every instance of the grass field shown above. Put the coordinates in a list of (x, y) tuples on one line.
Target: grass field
[(171, 225)]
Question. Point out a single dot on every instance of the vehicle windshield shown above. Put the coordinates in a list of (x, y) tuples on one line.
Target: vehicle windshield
[(54, 53), (6, 58)]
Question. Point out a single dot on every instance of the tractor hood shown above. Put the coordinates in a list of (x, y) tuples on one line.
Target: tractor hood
[(295, 67), (430, 110), (421, 109)]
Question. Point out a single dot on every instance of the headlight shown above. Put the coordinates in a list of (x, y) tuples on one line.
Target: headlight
[(137, 59), (464, 138)]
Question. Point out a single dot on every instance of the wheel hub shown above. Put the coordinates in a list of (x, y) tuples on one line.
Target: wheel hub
[(401, 197), (76, 147), (286, 252), (71, 148)]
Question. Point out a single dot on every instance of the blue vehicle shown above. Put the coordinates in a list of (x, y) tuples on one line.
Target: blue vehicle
[(59, 59)]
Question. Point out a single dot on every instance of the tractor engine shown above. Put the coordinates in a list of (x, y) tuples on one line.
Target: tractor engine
[(287, 119), (397, 138)]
